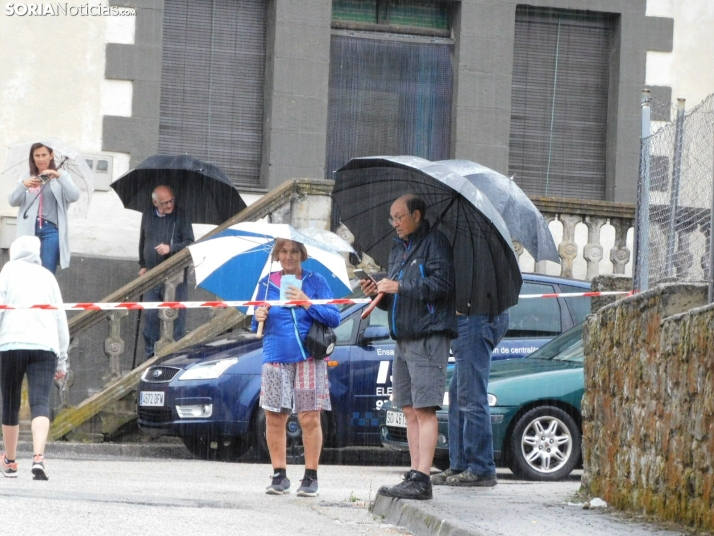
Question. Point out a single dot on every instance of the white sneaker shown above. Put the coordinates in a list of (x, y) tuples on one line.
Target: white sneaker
[(38, 468)]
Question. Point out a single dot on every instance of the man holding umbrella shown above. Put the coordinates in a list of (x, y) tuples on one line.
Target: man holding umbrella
[(165, 230), (419, 295)]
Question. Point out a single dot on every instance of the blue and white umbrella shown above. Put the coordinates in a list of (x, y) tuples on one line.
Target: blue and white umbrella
[(231, 264)]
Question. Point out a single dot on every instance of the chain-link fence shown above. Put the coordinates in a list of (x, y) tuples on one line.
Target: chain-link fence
[(675, 198)]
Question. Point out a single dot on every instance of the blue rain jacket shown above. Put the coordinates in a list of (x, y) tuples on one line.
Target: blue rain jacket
[(280, 342)]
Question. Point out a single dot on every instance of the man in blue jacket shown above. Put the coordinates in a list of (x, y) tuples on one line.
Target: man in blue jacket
[(419, 296)]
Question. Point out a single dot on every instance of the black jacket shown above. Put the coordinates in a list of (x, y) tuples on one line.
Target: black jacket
[(173, 229), (425, 303)]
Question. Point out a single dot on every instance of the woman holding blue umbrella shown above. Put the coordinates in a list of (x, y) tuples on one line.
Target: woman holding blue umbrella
[(291, 379)]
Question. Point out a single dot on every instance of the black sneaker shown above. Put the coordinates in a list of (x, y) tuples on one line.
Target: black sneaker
[(409, 489), (280, 485), (308, 488), (384, 490), (39, 471)]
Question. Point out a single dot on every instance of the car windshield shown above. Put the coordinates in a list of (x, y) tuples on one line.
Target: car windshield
[(566, 347)]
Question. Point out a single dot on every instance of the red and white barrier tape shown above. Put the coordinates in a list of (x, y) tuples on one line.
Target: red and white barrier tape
[(108, 306)]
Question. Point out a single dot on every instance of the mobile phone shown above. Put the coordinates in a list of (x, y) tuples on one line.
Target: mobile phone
[(361, 274)]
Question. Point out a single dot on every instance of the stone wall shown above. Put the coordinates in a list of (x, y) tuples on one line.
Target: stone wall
[(648, 408)]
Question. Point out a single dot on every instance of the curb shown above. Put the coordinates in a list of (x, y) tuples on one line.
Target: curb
[(68, 450), (408, 515)]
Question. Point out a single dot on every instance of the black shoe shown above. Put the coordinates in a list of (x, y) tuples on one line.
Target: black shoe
[(409, 489), (407, 475)]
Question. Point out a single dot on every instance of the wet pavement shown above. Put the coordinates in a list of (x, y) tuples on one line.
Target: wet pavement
[(157, 489)]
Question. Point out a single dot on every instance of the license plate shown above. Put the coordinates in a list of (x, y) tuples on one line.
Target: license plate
[(396, 418), (151, 398)]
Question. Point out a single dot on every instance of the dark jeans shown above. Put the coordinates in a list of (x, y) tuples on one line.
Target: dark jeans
[(49, 244), (152, 323), (470, 435), (40, 366)]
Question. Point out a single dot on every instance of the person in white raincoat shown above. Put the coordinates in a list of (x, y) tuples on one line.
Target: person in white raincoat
[(32, 342)]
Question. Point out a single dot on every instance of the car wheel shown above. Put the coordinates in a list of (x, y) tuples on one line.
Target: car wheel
[(545, 445), (294, 447), (200, 446), (231, 448), (206, 447), (258, 440)]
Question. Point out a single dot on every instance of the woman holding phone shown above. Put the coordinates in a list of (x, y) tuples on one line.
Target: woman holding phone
[(43, 197)]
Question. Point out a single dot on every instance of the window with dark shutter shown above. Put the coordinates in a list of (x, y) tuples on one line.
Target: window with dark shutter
[(559, 102), (212, 82), (388, 97)]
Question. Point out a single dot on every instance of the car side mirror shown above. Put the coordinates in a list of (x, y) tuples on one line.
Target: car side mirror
[(373, 333)]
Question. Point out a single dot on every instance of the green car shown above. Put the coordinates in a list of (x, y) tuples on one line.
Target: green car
[(535, 412)]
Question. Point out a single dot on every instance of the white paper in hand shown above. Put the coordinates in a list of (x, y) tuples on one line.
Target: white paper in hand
[(288, 280)]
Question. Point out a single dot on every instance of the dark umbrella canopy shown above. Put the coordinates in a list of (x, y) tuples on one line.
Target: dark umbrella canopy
[(201, 189), (488, 278), (525, 222)]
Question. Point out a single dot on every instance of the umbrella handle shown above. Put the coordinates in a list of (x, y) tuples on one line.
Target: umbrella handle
[(259, 333), (371, 306)]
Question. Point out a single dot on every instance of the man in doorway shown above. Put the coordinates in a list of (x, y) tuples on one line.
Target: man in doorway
[(419, 295), (165, 230)]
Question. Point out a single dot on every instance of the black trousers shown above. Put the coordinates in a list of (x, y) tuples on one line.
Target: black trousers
[(40, 366)]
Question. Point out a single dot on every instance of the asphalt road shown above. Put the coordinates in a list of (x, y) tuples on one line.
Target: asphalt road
[(126, 496)]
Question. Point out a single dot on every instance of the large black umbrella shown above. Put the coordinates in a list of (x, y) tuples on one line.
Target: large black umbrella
[(525, 222), (488, 278), (201, 189)]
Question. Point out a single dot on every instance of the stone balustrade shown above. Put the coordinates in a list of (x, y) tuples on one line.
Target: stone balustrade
[(593, 238)]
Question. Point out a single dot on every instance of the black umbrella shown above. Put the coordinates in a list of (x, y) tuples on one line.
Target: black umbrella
[(202, 190), (488, 278)]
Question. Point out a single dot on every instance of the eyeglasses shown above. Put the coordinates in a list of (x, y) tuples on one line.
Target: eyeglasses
[(397, 219), (167, 203)]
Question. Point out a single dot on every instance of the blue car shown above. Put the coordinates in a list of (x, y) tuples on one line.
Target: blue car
[(208, 394)]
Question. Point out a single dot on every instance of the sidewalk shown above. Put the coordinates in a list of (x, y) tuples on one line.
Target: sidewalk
[(513, 507)]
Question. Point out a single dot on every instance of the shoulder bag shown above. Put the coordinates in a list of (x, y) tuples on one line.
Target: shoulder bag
[(320, 340)]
